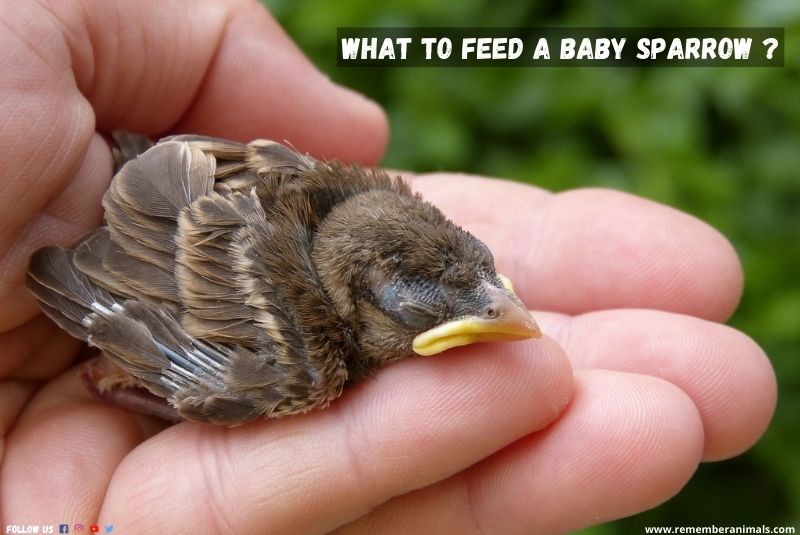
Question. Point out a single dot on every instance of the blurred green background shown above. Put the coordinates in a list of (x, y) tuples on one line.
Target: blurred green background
[(722, 144)]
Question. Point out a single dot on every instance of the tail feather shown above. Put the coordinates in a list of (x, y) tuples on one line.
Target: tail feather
[(67, 295), (52, 268), (65, 314)]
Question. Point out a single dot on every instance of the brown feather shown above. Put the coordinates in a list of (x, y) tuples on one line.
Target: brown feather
[(152, 232), (129, 147), (143, 276), (163, 181), (88, 258), (52, 269)]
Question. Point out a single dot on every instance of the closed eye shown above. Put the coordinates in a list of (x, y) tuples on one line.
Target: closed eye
[(418, 308), (416, 314)]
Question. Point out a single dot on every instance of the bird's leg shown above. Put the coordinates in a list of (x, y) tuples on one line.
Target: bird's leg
[(109, 383)]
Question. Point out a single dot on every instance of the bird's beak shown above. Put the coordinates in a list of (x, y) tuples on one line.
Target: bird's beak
[(505, 318)]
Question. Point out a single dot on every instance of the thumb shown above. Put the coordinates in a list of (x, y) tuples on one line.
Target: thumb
[(222, 68), (218, 67)]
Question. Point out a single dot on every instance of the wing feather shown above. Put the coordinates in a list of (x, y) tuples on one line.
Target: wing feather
[(201, 284)]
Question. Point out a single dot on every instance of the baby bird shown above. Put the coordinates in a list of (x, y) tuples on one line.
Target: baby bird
[(240, 281)]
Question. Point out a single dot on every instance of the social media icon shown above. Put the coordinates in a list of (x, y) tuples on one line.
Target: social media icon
[(109, 528), (78, 528), (63, 528), (94, 528)]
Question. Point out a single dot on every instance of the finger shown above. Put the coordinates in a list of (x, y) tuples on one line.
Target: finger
[(222, 68), (591, 249), (625, 444), (56, 206), (36, 350), (62, 452), (15, 394), (725, 373), (414, 423), (260, 84)]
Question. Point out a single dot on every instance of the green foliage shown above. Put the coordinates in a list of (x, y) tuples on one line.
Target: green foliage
[(722, 144)]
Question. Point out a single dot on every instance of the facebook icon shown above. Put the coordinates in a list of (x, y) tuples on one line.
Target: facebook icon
[(63, 528)]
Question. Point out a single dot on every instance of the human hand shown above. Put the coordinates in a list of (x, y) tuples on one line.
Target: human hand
[(497, 438)]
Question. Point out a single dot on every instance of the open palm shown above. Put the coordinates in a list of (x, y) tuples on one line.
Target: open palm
[(634, 384)]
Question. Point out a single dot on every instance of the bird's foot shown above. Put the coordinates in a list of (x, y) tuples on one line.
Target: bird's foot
[(112, 385)]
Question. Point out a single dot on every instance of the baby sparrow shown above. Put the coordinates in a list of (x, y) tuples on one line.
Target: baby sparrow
[(240, 281)]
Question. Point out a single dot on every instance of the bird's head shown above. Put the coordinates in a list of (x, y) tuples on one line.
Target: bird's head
[(412, 282)]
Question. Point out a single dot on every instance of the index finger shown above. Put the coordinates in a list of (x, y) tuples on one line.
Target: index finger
[(593, 249)]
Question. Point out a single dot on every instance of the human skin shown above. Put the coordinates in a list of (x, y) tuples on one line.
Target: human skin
[(635, 382)]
